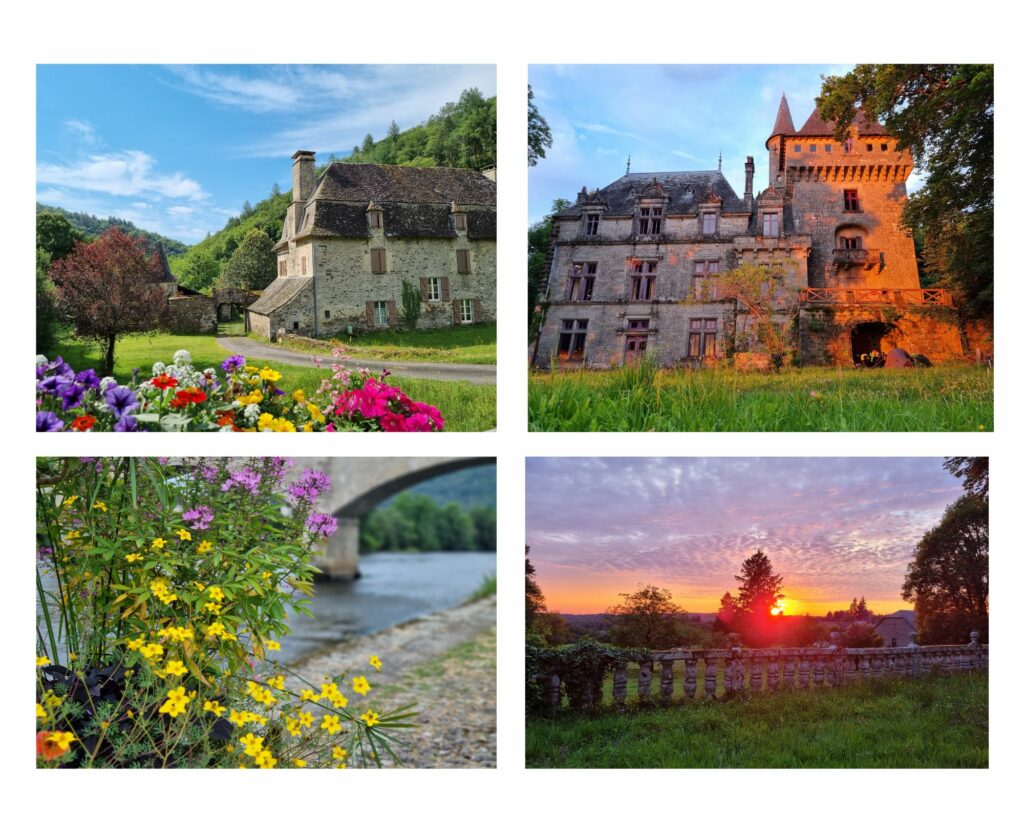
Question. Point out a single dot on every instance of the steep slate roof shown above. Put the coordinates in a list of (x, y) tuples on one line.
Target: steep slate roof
[(482, 224), (783, 120), (349, 182), (336, 219), (164, 268), (816, 126), (417, 221), (280, 291), (685, 190)]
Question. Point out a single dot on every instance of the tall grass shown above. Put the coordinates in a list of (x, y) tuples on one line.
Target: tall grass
[(643, 398), (463, 344), (931, 722)]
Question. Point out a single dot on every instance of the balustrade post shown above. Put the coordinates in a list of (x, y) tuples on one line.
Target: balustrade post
[(819, 670), (667, 681), (710, 677), (788, 671), (756, 675), (864, 668), (690, 680), (773, 674), (805, 672), (643, 681), (619, 680), (554, 692)]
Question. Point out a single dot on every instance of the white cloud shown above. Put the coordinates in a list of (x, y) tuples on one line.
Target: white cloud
[(180, 210), (123, 173), (84, 131)]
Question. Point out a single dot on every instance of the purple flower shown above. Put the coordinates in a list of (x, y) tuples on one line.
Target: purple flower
[(232, 363), (246, 477), (49, 384), (209, 473), (200, 518), (320, 524), (70, 393), (88, 379), (121, 400), (127, 423), (310, 485), (48, 422)]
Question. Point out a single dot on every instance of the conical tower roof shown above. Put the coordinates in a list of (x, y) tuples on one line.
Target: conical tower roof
[(783, 120)]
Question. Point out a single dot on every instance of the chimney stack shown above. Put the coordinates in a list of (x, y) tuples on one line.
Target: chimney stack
[(303, 175), (748, 188)]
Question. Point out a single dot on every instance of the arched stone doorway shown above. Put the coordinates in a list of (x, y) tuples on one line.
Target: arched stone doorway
[(867, 336)]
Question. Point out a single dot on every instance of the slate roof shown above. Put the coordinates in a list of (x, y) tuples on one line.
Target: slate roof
[(816, 126), (685, 190), (417, 221), (482, 224), (280, 291), (163, 267), (783, 120), (336, 219), (351, 182)]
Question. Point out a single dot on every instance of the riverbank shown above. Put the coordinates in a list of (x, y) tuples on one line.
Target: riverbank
[(444, 662)]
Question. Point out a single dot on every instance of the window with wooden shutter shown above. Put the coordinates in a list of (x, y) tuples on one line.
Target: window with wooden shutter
[(424, 288), (462, 261), (392, 314), (445, 289), (460, 221), (378, 260), (282, 267), (370, 314), (477, 312), (376, 219), (379, 313)]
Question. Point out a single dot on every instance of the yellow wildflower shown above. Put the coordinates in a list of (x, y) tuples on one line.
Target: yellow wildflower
[(213, 608), (177, 701), (62, 739), (100, 505), (276, 682), (272, 645), (41, 712), (41, 661), (371, 718), (298, 396), (204, 547), (268, 374), (215, 593), (306, 695), (152, 650), (175, 668), (339, 753), (131, 558), (136, 644), (70, 501), (299, 763), (215, 707), (314, 412), (375, 661), (184, 534), (215, 630), (253, 744), (306, 719), (158, 543), (331, 724), (74, 534), (253, 397), (265, 759), (361, 685), (292, 726)]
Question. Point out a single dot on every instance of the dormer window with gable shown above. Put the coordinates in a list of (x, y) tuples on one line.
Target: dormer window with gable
[(376, 217), (593, 224), (770, 226), (460, 220), (649, 222)]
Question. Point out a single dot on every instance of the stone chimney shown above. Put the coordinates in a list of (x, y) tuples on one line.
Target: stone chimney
[(748, 187), (303, 181)]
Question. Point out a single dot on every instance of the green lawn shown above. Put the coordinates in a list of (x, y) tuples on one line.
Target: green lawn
[(466, 407), (467, 344), (817, 399), (935, 722)]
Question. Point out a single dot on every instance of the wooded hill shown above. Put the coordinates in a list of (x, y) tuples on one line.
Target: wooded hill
[(462, 134), (93, 226)]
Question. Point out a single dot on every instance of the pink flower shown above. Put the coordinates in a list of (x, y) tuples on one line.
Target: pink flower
[(393, 422)]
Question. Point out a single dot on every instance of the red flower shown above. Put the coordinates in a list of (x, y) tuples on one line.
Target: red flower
[(83, 423), (47, 748), (189, 395), (164, 381)]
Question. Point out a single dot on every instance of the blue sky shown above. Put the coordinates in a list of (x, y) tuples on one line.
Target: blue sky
[(178, 149), (670, 117), (834, 528)]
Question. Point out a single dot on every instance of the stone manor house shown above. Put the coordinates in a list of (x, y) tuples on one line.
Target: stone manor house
[(352, 237), (632, 266)]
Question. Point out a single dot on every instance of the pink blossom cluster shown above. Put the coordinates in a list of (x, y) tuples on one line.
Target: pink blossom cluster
[(377, 405)]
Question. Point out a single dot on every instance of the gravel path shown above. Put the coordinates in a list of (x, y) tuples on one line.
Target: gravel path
[(446, 664), (474, 373)]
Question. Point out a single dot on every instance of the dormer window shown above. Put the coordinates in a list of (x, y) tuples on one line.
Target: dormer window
[(460, 220), (593, 223), (709, 223), (770, 225), (376, 219), (649, 223)]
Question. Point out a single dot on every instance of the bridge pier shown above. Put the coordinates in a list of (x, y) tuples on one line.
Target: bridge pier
[(339, 559)]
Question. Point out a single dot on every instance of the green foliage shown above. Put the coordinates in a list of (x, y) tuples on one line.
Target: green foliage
[(461, 344), (55, 235), (944, 115), (412, 304), (581, 667), (253, 264), (197, 270), (538, 133), (538, 241), (267, 216), (646, 618), (488, 588), (47, 315), (860, 635), (936, 399), (933, 722), (89, 227), (535, 604), (417, 523), (460, 135)]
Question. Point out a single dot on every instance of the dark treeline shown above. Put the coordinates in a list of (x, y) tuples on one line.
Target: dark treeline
[(416, 522), (91, 226)]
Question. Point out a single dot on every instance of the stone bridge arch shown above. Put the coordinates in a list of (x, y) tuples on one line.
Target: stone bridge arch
[(360, 484)]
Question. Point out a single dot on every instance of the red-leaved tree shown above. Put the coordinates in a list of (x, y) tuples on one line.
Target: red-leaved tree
[(110, 288)]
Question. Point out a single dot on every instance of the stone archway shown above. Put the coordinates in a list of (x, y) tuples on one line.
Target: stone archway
[(866, 336)]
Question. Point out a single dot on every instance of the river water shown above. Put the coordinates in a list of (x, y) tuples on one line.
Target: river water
[(393, 588)]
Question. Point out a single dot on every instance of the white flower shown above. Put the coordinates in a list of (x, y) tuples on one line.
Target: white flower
[(106, 384), (252, 413), (182, 357), (158, 367), (41, 360)]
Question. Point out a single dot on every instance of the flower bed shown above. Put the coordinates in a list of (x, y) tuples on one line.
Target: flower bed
[(163, 590), (238, 398)]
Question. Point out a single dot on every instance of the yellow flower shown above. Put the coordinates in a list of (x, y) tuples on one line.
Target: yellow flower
[(272, 645), (314, 412), (305, 719), (253, 744), (306, 695), (292, 726), (74, 534), (253, 397), (133, 557), (100, 505), (215, 593), (215, 707), (268, 374), (204, 547), (236, 717), (213, 608), (177, 634), (265, 760), (331, 724), (339, 753), (260, 694), (175, 668), (361, 685), (177, 701), (299, 763), (276, 682), (375, 661), (41, 712), (371, 718), (981, 427), (298, 396), (70, 501), (136, 644), (62, 739), (41, 661), (158, 543), (151, 650), (184, 534), (268, 423), (200, 586), (251, 369)]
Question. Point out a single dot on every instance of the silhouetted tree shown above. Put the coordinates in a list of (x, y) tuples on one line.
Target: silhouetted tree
[(646, 618)]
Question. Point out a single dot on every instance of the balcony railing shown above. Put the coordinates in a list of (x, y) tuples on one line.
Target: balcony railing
[(856, 257), (867, 295)]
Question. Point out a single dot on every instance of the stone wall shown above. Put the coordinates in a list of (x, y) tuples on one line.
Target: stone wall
[(295, 317), (191, 314)]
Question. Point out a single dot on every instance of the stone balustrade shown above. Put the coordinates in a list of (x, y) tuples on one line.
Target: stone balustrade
[(712, 673)]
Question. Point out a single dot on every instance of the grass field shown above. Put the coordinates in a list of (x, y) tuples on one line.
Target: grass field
[(466, 407), (817, 399), (935, 722), (466, 344)]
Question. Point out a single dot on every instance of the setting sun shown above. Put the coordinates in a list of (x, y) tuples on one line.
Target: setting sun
[(776, 611)]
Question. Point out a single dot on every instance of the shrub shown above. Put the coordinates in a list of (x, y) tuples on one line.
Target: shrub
[(581, 667), (163, 588)]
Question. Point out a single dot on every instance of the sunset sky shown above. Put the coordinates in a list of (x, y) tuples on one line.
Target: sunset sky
[(834, 528)]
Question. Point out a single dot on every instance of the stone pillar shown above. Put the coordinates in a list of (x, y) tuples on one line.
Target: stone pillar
[(619, 679), (773, 674), (643, 681), (789, 671), (805, 672), (340, 557), (667, 682), (690, 680), (819, 671), (756, 675), (710, 678)]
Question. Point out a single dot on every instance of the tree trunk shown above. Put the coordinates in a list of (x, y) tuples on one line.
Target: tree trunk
[(108, 359)]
